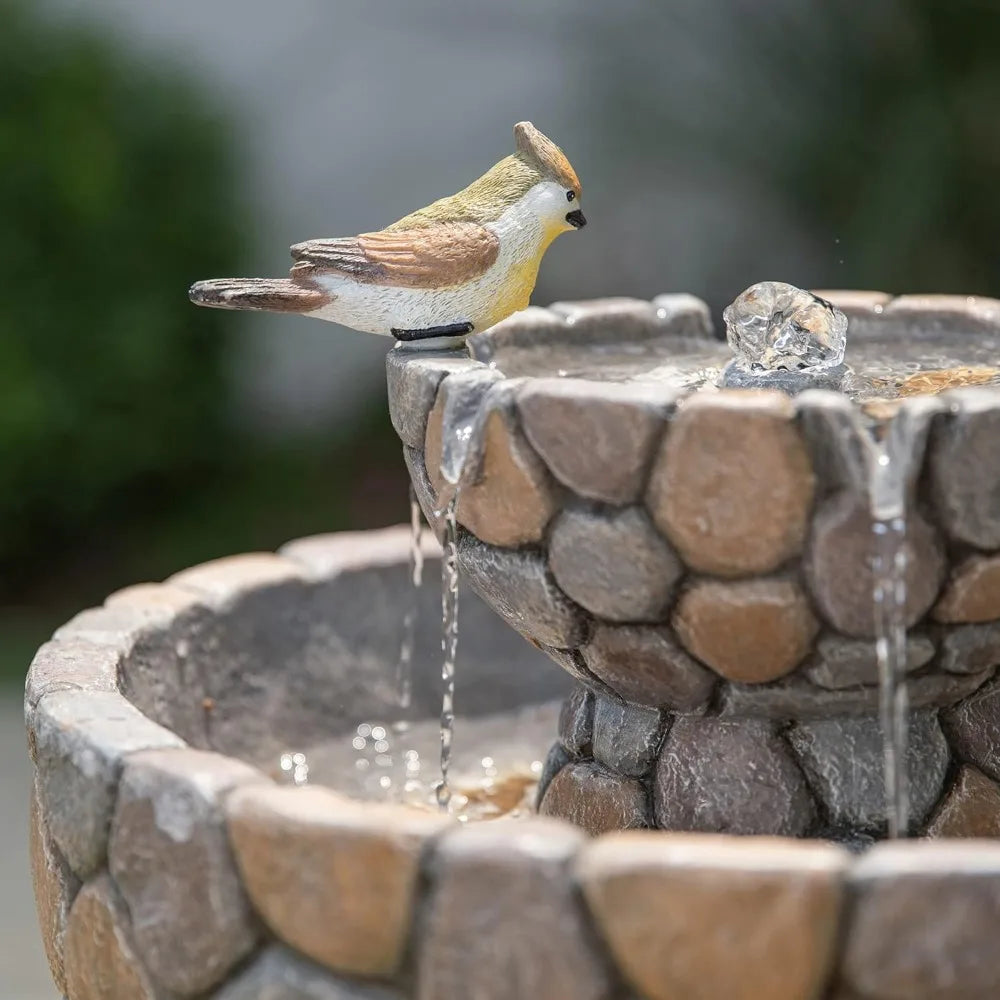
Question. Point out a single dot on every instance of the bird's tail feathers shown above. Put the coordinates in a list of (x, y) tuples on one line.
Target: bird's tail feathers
[(264, 294)]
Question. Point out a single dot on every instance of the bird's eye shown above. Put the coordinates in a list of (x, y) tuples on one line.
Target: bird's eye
[(570, 195)]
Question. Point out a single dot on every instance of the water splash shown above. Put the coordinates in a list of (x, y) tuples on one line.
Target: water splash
[(449, 645), (404, 666), (294, 768)]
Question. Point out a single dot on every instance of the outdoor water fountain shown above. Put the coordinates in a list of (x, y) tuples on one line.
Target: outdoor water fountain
[(747, 591)]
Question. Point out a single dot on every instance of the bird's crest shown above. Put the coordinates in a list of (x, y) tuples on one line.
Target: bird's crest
[(542, 153)]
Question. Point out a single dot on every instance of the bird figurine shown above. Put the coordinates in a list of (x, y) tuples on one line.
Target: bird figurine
[(459, 265)]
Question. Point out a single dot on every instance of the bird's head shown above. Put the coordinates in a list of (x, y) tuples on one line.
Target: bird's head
[(555, 195)]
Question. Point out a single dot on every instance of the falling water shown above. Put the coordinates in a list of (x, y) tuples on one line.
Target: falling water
[(895, 462), (449, 645), (889, 594), (404, 667)]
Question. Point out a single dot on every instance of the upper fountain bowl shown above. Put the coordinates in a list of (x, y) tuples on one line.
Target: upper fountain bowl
[(707, 553)]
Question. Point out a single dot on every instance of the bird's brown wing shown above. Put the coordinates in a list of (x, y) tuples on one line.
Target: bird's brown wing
[(432, 257)]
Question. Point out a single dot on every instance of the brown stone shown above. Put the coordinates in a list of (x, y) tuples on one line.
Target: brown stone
[(707, 918), (924, 920), (504, 920), (750, 631), (732, 484), (513, 498), (970, 649), (101, 962), (170, 856), (596, 437), (576, 722), (335, 879), (596, 800), (732, 776), (973, 592), (970, 809), (55, 889), (71, 665), (973, 729), (614, 563), (839, 565), (646, 665)]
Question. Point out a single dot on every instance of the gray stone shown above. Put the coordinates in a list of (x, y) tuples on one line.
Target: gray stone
[(171, 859), (856, 305), (964, 468), (737, 376), (71, 665), (627, 737), (423, 490), (81, 739), (572, 662), (796, 699), (646, 665), (517, 585), (503, 919), (101, 960), (924, 922), (727, 776), (970, 649), (614, 564), (596, 800), (839, 565), (843, 663), (837, 440), (931, 317), (843, 761), (281, 974), (618, 319), (413, 378), (556, 759), (528, 328), (972, 594), (684, 315), (576, 722), (973, 729), (596, 437)]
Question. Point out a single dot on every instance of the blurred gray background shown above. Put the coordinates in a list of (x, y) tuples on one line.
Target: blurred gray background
[(146, 143)]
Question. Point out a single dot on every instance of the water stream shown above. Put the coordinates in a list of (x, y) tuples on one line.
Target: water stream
[(449, 645), (404, 667)]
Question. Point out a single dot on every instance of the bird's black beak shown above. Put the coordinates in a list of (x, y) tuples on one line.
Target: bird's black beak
[(576, 219)]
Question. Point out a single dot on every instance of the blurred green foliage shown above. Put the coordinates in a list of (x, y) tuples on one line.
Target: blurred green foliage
[(120, 459), (118, 187)]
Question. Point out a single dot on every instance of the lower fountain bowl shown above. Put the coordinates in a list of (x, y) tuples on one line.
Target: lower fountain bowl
[(171, 860)]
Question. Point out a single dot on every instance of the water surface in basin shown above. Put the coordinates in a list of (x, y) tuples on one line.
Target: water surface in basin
[(878, 368)]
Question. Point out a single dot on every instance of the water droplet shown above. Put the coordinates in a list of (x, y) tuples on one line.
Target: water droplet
[(381, 746), (364, 729), (385, 781), (359, 743), (378, 732)]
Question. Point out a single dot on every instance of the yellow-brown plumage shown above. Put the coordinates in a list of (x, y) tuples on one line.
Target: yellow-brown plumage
[(462, 263)]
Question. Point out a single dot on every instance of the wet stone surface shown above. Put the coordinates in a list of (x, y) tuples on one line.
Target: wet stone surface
[(613, 563), (518, 882), (970, 809), (627, 737), (517, 585), (171, 859), (556, 759), (716, 776), (973, 729), (576, 722), (923, 922), (843, 762), (844, 663), (838, 565), (647, 665), (596, 800), (596, 438), (967, 504), (750, 631), (732, 484)]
